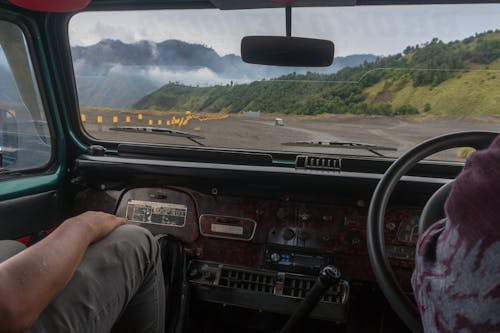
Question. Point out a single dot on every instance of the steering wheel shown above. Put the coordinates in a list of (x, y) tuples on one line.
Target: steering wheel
[(433, 211)]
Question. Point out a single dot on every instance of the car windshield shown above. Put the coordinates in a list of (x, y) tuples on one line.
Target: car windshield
[(401, 74)]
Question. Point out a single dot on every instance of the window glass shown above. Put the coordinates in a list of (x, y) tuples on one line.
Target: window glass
[(401, 75), (25, 141)]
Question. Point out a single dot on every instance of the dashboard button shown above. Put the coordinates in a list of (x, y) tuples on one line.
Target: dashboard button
[(391, 226), (275, 257), (327, 218)]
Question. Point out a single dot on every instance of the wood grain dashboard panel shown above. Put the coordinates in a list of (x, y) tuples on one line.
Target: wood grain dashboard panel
[(336, 230)]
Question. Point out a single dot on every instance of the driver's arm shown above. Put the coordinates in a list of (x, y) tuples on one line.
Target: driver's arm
[(30, 280), (457, 270)]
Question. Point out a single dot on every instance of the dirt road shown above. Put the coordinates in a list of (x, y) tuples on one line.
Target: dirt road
[(261, 133)]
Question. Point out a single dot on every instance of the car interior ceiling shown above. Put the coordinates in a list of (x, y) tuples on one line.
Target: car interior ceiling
[(255, 228)]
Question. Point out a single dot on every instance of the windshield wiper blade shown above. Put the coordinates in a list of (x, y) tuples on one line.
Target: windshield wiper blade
[(161, 131), (340, 144)]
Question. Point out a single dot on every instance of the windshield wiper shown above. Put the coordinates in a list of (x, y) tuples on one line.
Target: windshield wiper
[(340, 144), (161, 131)]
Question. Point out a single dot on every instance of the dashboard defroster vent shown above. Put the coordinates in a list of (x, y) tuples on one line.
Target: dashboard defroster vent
[(318, 163)]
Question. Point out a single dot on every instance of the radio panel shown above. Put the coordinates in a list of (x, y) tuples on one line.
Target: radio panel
[(294, 260)]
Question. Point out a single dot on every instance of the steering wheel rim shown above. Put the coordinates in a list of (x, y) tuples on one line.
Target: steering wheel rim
[(404, 307)]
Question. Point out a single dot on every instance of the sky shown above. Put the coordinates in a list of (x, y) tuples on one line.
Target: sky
[(380, 30)]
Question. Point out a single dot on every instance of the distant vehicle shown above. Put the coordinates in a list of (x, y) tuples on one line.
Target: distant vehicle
[(279, 122), (251, 114)]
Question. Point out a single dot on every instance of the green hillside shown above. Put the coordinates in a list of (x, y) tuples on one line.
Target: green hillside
[(417, 81)]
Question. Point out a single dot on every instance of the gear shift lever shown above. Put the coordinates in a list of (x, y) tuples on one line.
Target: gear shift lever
[(328, 276)]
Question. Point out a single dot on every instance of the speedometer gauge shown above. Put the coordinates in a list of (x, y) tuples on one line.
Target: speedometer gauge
[(408, 230)]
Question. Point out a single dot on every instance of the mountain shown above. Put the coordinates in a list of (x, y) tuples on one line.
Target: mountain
[(175, 54), (112, 73), (116, 91), (418, 80)]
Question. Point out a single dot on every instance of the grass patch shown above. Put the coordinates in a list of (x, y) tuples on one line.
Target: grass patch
[(465, 152)]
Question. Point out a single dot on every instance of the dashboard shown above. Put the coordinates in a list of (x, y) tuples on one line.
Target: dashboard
[(265, 254)]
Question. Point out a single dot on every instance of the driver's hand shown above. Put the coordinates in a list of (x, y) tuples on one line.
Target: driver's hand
[(98, 224)]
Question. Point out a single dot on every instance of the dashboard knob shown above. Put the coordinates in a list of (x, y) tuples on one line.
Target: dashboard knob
[(275, 257), (288, 234), (194, 274)]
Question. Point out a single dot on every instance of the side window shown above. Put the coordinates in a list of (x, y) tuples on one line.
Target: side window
[(25, 141)]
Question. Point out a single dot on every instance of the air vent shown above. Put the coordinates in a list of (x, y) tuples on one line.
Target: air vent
[(298, 286), (247, 280), (264, 290), (263, 281), (318, 163)]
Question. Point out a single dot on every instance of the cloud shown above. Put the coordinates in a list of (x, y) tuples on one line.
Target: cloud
[(378, 30), (161, 75)]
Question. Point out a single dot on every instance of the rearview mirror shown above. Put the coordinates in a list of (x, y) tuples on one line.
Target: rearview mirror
[(8, 139), (287, 51)]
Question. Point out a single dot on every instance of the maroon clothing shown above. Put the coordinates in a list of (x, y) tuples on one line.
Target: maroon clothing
[(457, 272)]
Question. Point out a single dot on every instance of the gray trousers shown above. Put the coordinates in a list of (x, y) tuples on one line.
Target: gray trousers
[(118, 285)]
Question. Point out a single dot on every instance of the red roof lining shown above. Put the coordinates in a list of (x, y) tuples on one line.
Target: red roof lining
[(53, 6)]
